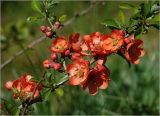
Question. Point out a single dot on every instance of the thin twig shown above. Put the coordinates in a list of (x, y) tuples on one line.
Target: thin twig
[(35, 42), (22, 51)]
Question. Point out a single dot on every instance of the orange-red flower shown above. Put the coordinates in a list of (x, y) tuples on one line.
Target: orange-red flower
[(114, 41), (97, 78), (95, 42), (134, 51), (75, 42), (129, 39), (23, 87), (78, 71), (60, 45)]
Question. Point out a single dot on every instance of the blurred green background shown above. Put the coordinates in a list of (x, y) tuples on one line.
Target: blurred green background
[(132, 90)]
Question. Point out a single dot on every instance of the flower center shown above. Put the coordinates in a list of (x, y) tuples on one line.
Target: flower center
[(60, 47), (80, 73), (115, 42)]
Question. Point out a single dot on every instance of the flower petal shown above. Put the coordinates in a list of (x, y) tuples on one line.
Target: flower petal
[(74, 80), (104, 85), (8, 85)]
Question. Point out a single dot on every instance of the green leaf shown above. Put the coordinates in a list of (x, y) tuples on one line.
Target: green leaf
[(62, 18), (137, 16), (52, 19), (36, 6), (121, 17), (139, 31), (156, 18), (32, 19), (46, 94), (9, 107), (146, 9), (59, 91), (126, 6), (17, 112), (111, 23)]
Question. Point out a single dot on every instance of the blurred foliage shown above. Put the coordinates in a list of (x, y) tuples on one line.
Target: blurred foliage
[(132, 90)]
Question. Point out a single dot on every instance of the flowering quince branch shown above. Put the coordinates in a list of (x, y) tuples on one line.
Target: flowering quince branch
[(41, 39), (80, 59)]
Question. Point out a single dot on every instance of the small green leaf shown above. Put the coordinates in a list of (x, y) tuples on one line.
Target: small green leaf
[(51, 3), (121, 17), (52, 19), (59, 91), (62, 18), (32, 19), (36, 6), (111, 23)]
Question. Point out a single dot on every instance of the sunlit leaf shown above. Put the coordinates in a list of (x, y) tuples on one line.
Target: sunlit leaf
[(121, 17), (17, 112), (32, 19), (126, 6), (36, 6), (62, 18), (156, 18), (59, 91)]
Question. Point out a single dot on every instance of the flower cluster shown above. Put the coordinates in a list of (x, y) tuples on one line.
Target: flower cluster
[(92, 73), (48, 30), (24, 87)]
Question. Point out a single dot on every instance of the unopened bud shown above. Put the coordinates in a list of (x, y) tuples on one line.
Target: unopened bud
[(46, 64), (53, 56), (67, 52), (43, 28), (48, 28), (49, 34), (8, 85), (56, 25), (56, 66)]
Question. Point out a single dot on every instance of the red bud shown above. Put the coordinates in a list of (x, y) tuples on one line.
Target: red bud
[(67, 52), (46, 64), (56, 66), (49, 34), (53, 56), (8, 85), (48, 28), (43, 29), (56, 25)]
